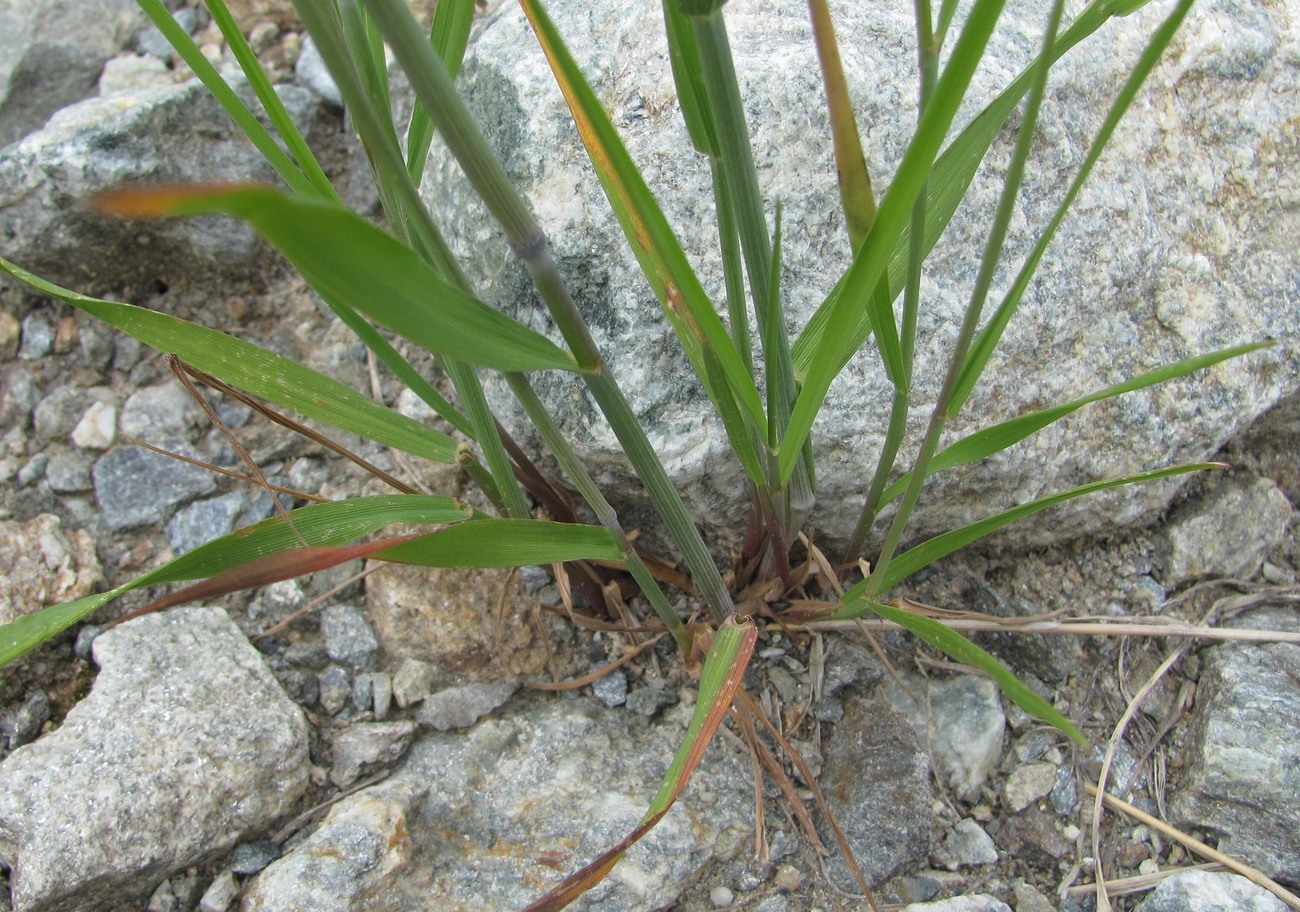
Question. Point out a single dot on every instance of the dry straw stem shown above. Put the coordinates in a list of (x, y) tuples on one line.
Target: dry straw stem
[(1253, 874), (1081, 627)]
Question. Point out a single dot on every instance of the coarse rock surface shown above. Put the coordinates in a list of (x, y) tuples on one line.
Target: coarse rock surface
[(960, 720), (1244, 772), (1189, 250), (173, 134), (1227, 534), (492, 816), (51, 53), (877, 781), (1209, 891), (352, 854), (976, 903), (43, 565), (185, 745)]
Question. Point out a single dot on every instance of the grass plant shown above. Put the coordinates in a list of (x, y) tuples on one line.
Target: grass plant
[(766, 386)]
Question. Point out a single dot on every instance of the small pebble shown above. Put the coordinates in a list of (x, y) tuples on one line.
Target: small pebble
[(349, 637), (23, 725), (335, 688), (97, 427), (721, 897), (163, 899), (611, 689), (37, 338), (68, 473), (10, 332), (85, 637), (412, 682), (381, 685), (646, 701), (251, 857), (787, 879), (33, 470), (363, 693), (220, 894), (461, 707)]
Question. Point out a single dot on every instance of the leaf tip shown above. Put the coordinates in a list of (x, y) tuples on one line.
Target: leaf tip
[(159, 199)]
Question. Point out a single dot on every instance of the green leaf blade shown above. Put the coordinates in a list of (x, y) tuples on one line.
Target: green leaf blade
[(963, 650), (507, 543), (318, 524), (926, 553), (257, 371), (347, 258)]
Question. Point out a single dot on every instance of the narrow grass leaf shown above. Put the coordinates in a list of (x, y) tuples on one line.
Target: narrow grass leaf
[(1005, 434), (724, 668), (342, 255), (857, 292), (449, 35), (963, 650), (857, 197), (215, 83), (507, 543), (656, 247), (270, 99), (692, 96), (985, 344), (733, 422), (926, 553), (318, 524), (257, 371), (945, 189)]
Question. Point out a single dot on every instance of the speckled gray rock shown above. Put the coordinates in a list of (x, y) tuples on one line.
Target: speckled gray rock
[(1184, 221), (68, 473), (348, 636), (204, 520), (51, 52), (162, 411), (365, 746), (1242, 770), (961, 720), (1207, 891), (174, 134), (491, 813), (977, 902), (184, 746), (135, 486), (966, 845), (461, 707), (361, 844), (877, 782), (1227, 533)]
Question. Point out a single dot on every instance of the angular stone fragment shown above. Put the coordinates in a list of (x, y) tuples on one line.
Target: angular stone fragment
[(1243, 760), (185, 746)]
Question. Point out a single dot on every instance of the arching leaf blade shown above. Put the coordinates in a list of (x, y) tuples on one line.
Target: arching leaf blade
[(346, 257), (317, 524), (257, 371), (507, 543), (963, 650), (1005, 434)]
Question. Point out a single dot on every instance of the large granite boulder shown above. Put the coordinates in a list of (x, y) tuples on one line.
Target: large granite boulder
[(1180, 244)]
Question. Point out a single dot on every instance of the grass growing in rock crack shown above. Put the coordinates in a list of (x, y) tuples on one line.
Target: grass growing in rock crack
[(765, 385)]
